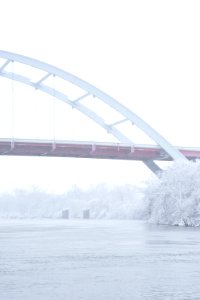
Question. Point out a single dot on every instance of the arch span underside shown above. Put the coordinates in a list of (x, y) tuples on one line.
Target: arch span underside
[(88, 89)]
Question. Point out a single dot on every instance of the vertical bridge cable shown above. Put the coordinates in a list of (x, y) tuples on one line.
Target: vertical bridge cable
[(12, 105), (54, 116)]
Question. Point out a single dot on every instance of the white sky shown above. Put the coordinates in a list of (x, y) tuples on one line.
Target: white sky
[(146, 54)]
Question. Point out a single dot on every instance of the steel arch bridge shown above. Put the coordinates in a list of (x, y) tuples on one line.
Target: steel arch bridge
[(88, 89)]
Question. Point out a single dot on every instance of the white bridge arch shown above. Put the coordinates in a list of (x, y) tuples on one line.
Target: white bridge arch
[(89, 89)]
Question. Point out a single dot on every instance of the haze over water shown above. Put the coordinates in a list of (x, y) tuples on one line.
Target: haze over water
[(97, 259)]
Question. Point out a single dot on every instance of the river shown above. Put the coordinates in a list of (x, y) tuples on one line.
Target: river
[(97, 260)]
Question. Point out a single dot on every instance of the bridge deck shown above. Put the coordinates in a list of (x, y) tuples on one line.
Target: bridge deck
[(22, 147)]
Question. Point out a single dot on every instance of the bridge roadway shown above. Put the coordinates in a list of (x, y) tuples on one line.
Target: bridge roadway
[(35, 147)]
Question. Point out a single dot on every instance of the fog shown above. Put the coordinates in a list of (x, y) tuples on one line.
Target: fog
[(103, 201), (172, 198)]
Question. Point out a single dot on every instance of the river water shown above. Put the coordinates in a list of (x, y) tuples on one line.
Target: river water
[(97, 260)]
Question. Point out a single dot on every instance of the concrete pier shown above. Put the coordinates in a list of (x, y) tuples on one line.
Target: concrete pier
[(86, 214), (65, 214)]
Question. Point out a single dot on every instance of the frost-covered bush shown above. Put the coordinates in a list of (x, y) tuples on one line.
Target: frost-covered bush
[(174, 197), (119, 202)]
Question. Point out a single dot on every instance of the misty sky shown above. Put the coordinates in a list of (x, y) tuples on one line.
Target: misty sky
[(143, 53)]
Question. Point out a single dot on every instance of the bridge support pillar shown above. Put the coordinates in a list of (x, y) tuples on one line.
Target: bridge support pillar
[(152, 166), (86, 214), (65, 214)]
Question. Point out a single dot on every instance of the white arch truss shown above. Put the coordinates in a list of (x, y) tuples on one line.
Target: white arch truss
[(89, 90)]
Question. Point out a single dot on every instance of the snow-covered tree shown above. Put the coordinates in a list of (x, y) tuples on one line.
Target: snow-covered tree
[(174, 197)]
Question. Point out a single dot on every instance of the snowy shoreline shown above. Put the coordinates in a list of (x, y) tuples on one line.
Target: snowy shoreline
[(103, 202), (171, 199)]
